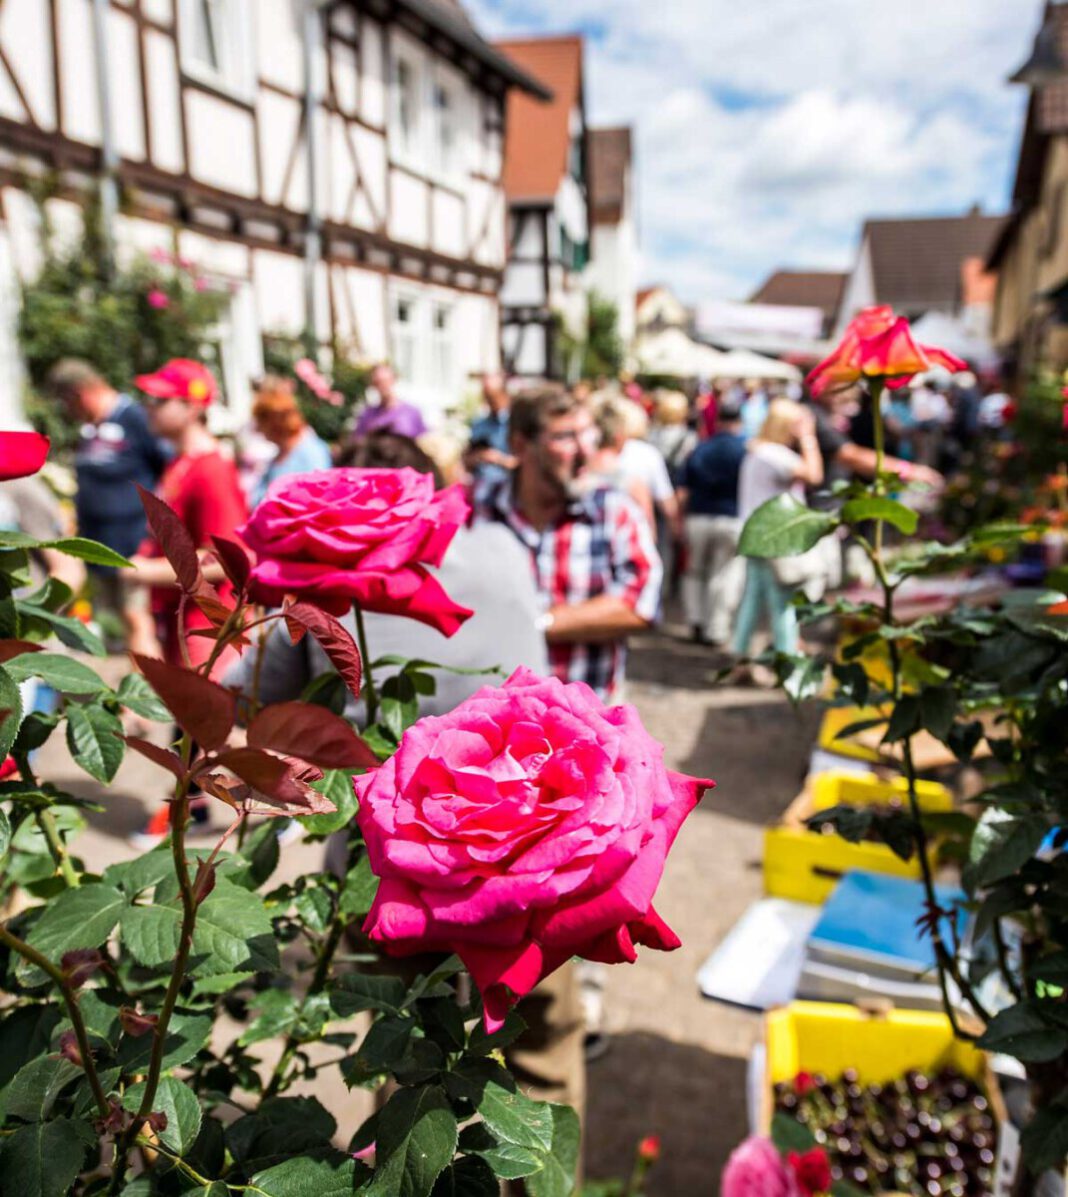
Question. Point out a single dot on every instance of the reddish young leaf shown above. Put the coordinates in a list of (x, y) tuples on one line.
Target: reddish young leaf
[(208, 600), (338, 645), (15, 648), (200, 707), (157, 755), (280, 781), (311, 733), (173, 539), (233, 793), (135, 1023), (234, 560)]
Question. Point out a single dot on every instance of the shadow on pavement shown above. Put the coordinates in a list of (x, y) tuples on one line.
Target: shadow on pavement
[(693, 1099)]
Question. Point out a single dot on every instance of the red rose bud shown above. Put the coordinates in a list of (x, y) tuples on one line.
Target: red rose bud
[(69, 1049), (114, 1122), (9, 767), (812, 1169), (804, 1083), (158, 1121), (78, 966), (649, 1149), (135, 1023)]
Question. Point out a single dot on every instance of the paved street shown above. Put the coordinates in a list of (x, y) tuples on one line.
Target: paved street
[(677, 1062)]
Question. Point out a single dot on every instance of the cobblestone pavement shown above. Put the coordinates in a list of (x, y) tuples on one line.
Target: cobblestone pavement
[(676, 1065)]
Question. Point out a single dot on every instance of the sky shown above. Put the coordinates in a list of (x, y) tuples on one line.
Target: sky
[(768, 130)]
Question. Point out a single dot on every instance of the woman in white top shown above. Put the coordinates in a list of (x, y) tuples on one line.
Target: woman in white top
[(783, 458)]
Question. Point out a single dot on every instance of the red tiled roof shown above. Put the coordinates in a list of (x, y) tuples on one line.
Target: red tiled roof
[(610, 156), (802, 289), (537, 134)]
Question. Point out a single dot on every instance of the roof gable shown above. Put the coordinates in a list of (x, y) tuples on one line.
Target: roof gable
[(802, 289), (610, 158), (537, 134)]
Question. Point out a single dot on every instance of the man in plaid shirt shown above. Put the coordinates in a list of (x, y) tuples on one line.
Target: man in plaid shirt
[(594, 557)]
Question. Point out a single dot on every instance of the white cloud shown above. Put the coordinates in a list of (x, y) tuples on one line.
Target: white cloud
[(767, 132)]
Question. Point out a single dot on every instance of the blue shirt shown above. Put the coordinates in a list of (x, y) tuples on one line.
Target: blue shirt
[(711, 475), (491, 432), (309, 453), (111, 457)]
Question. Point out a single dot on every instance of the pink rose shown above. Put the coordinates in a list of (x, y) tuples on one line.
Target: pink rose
[(528, 825), (755, 1169), (22, 454), (338, 537), (158, 299)]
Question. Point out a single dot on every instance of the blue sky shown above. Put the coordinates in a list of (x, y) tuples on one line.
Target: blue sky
[(768, 130)]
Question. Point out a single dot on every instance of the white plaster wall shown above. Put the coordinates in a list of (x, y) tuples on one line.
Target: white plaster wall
[(530, 243), (81, 113), (408, 210), (221, 143), (339, 169), (279, 52), (371, 153), (124, 85), (12, 373), (372, 83), (450, 233), (359, 306), (25, 34), (532, 357), (279, 291), (346, 76), (230, 259), (158, 10), (279, 120), (161, 73), (524, 284), (612, 271), (859, 291), (135, 238)]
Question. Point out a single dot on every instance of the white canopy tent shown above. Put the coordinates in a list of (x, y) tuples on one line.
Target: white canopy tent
[(744, 363), (671, 351)]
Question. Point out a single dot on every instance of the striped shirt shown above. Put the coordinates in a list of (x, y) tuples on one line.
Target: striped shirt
[(601, 545)]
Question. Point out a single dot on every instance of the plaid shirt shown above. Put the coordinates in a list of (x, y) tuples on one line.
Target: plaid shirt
[(601, 545)]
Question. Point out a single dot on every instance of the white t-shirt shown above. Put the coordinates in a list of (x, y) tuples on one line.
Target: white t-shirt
[(767, 470), (641, 462)]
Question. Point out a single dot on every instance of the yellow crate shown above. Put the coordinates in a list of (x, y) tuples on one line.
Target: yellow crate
[(835, 719), (829, 1037), (805, 867)]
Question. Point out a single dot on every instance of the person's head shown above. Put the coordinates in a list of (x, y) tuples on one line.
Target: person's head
[(177, 396), (672, 407), (495, 392), (387, 451), (81, 390), (781, 424), (635, 421), (384, 381), (552, 435), (729, 414), (276, 412), (611, 423)]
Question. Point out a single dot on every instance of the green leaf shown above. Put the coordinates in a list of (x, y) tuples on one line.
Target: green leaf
[(35, 1087), (143, 872), (258, 859), (1022, 1032), (337, 786), (278, 1011), (358, 892), (332, 1174), (856, 511), (1002, 843), (151, 933), (44, 1159), (415, 1139), (234, 932), (557, 1176), (186, 1035), (515, 1118), (60, 672), (938, 706), (790, 1135), (87, 550), (399, 705), (904, 719), (71, 632), (78, 918), (471, 1177), (1044, 1141), (135, 693), (783, 527), (181, 1106), (93, 739), (481, 1042), (5, 834), (352, 993), (315, 907), (11, 703), (382, 1049), (282, 1126)]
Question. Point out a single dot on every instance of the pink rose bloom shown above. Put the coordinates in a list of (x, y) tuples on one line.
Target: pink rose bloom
[(529, 825), (158, 299), (755, 1169), (338, 537), (22, 454)]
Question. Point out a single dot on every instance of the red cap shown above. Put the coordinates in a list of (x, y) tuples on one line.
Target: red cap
[(181, 378)]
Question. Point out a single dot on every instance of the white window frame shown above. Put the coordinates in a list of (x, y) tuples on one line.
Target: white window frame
[(236, 39), (422, 149), (412, 298), (433, 357), (406, 147)]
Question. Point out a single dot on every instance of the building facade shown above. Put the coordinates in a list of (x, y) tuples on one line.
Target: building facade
[(612, 272), (336, 164), (545, 181)]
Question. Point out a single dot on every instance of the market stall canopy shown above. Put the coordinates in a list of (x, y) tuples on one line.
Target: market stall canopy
[(743, 363), (671, 351), (951, 333)]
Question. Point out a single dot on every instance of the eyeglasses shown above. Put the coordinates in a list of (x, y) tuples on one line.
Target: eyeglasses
[(582, 437)]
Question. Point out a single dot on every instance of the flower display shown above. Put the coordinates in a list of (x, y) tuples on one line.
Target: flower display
[(158, 299), (755, 1169), (316, 382), (812, 1169), (22, 454), (529, 825), (338, 537), (878, 344)]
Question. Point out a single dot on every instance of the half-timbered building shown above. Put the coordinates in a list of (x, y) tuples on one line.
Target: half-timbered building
[(336, 163), (548, 204)]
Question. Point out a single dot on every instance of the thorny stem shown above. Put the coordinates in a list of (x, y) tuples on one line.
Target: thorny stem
[(179, 1163), (47, 823), (371, 694), (70, 1000)]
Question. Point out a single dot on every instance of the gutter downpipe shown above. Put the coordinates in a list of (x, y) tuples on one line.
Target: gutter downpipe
[(109, 156)]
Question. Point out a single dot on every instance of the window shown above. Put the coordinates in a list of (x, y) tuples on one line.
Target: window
[(445, 130), (405, 338), (441, 345), (406, 110), (423, 348), (425, 116), (217, 43)]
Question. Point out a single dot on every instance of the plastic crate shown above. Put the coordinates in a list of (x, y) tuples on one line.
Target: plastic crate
[(804, 866)]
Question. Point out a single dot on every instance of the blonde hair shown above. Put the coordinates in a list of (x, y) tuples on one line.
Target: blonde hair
[(672, 407), (635, 421), (780, 422), (275, 408)]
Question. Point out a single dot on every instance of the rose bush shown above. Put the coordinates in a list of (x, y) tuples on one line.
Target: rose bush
[(756, 1169), (529, 825), (339, 537)]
